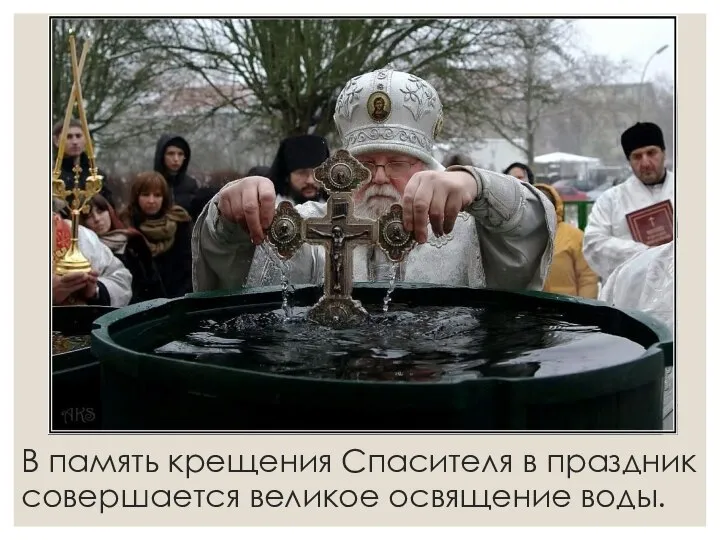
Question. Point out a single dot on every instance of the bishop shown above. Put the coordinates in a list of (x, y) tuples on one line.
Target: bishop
[(472, 227)]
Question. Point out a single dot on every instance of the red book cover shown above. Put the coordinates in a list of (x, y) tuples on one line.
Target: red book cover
[(652, 225)]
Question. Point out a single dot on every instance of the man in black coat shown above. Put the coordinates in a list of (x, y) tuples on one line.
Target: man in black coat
[(172, 158), (74, 153)]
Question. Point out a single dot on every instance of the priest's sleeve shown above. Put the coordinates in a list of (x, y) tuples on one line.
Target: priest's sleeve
[(516, 230), (604, 252), (222, 252)]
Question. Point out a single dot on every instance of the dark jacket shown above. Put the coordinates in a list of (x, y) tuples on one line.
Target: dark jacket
[(68, 175), (203, 196), (147, 283), (182, 185), (175, 265)]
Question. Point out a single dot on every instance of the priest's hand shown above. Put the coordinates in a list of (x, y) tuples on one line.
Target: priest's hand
[(251, 203), (438, 196)]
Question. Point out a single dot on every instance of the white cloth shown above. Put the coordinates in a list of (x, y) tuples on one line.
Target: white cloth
[(111, 271), (608, 242), (504, 240), (646, 282)]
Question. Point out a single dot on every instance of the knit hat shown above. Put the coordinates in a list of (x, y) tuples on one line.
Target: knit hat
[(390, 111), (640, 135)]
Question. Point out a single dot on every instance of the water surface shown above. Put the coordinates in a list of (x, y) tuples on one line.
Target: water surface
[(405, 344)]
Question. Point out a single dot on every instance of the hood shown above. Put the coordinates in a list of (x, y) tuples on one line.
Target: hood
[(556, 199), (298, 152), (162, 144)]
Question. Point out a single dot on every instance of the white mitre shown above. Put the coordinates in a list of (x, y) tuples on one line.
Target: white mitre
[(390, 111)]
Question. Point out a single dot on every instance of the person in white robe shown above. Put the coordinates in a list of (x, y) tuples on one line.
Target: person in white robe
[(109, 283), (608, 241), (645, 282), (473, 227)]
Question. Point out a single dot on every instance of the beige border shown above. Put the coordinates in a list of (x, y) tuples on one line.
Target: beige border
[(683, 495)]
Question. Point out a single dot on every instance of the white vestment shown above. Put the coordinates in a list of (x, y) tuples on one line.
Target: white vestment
[(111, 271), (608, 242), (646, 282), (503, 240)]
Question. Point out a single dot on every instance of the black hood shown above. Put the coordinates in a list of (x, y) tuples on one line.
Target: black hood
[(162, 144), (298, 152)]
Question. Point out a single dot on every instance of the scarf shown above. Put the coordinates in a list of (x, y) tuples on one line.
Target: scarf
[(160, 232), (116, 240)]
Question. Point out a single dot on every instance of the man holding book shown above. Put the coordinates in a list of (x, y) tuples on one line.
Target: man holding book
[(636, 215)]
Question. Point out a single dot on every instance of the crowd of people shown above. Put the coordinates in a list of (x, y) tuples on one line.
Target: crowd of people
[(474, 227)]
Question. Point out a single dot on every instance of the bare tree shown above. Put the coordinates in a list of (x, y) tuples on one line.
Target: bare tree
[(287, 74), (601, 104), (594, 107), (525, 80), (123, 73)]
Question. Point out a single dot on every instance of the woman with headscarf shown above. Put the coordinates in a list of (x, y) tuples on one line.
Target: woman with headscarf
[(520, 171), (166, 227), (569, 272), (292, 169), (128, 245)]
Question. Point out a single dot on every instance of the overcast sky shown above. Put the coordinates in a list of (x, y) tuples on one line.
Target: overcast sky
[(633, 39)]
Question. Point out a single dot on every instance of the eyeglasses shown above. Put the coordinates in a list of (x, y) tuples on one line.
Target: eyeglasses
[(393, 169)]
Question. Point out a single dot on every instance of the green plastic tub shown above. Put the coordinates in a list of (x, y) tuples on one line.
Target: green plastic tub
[(144, 391)]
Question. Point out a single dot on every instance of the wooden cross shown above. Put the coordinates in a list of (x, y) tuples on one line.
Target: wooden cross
[(339, 231)]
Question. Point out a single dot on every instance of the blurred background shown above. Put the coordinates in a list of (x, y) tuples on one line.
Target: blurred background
[(552, 93)]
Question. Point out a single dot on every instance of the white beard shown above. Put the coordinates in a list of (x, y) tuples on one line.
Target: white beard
[(383, 197)]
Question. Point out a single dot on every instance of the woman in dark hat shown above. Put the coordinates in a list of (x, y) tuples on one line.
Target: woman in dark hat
[(292, 169), (520, 171)]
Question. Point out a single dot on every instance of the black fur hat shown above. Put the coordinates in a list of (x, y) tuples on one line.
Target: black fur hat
[(640, 135), (299, 152)]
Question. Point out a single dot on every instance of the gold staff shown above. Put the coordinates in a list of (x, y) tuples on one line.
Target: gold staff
[(74, 260), (66, 122)]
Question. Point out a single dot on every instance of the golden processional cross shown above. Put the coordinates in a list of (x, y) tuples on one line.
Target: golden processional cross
[(73, 260), (339, 232)]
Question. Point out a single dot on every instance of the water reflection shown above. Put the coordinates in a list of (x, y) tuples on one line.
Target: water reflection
[(428, 344)]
